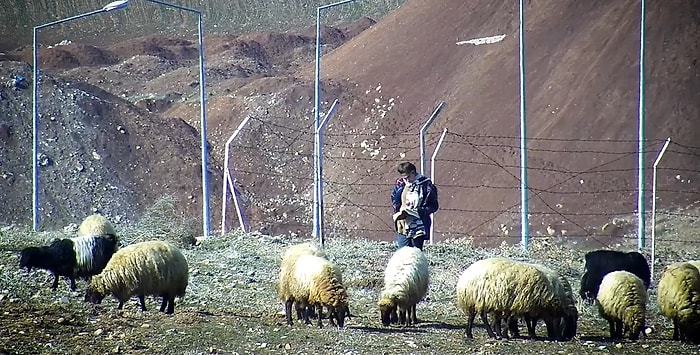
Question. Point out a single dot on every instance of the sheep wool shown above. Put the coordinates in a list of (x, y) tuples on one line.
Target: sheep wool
[(678, 297), (562, 311), (289, 260), (472, 297), (154, 268), (621, 300), (79, 257), (96, 225), (506, 288), (315, 281), (92, 253), (406, 281)]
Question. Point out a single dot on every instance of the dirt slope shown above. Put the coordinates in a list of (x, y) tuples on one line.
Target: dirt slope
[(582, 105), (582, 111)]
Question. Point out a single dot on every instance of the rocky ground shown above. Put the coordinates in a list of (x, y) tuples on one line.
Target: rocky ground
[(231, 305)]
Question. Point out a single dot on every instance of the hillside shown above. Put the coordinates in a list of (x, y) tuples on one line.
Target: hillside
[(582, 87), (582, 90)]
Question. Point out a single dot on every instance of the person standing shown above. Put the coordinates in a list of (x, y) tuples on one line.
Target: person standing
[(414, 199)]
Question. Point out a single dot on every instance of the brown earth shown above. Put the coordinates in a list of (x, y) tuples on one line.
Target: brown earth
[(582, 112)]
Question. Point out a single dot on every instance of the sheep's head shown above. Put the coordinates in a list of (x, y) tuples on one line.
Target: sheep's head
[(636, 328), (570, 325), (387, 310), (337, 314), (28, 257), (92, 295)]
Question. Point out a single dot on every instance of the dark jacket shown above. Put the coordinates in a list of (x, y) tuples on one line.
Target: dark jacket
[(427, 193)]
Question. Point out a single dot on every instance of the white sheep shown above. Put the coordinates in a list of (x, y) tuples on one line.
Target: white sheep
[(314, 281), (96, 224), (154, 268), (678, 296), (621, 300), (506, 288), (406, 281), (289, 260), (563, 328)]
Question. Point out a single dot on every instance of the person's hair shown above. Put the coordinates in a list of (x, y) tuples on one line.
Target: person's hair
[(406, 168)]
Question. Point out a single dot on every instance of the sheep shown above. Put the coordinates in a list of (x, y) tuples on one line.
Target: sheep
[(314, 281), (600, 262), (155, 268), (678, 296), (621, 301), (289, 260), (563, 328), (405, 283), (96, 225), (507, 288), (79, 257)]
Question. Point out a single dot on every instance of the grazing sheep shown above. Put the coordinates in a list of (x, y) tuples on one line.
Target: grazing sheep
[(154, 268), (405, 283), (314, 281), (565, 327), (621, 301), (289, 260), (598, 263), (96, 225), (506, 288), (678, 296), (80, 257)]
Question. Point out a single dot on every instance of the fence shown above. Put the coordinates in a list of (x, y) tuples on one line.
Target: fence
[(580, 191)]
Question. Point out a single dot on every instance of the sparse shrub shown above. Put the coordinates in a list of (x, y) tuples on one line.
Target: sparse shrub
[(161, 222)]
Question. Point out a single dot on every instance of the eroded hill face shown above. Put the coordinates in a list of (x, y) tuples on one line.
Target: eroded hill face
[(582, 90), (120, 128)]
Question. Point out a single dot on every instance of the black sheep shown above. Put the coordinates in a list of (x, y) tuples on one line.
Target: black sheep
[(80, 257), (601, 262)]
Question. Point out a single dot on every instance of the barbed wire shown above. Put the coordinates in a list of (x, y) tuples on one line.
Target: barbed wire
[(347, 181), (460, 234)]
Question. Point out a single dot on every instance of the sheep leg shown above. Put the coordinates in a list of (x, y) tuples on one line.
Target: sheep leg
[(676, 336), (54, 286), (320, 319), (311, 311), (551, 332), (402, 316), (164, 303), (613, 333), (288, 311), (470, 324), (72, 283), (120, 305), (171, 307), (620, 329), (142, 302), (513, 327), (394, 316), (497, 323), (412, 311), (299, 310), (531, 322), (306, 314), (487, 325), (332, 313)]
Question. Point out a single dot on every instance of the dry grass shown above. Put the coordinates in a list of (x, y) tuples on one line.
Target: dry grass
[(231, 304)]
